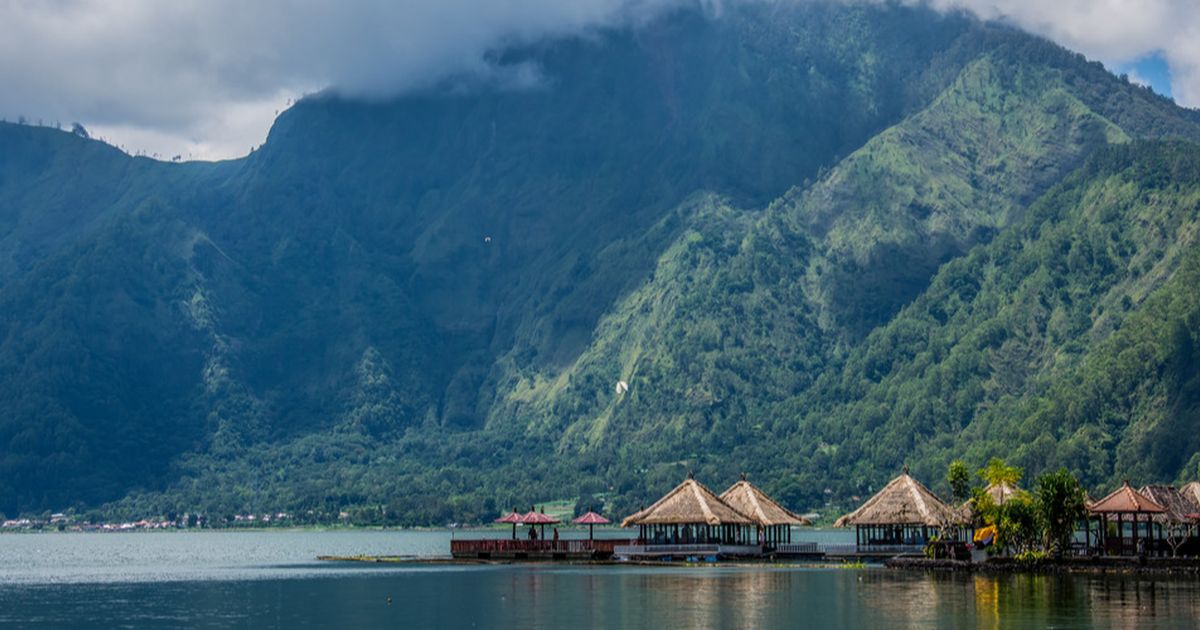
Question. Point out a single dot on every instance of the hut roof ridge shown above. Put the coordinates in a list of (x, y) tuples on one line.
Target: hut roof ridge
[(904, 500), (689, 502), (1178, 505), (1126, 500), (764, 510)]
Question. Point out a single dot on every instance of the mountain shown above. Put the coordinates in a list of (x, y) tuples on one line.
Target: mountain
[(815, 242)]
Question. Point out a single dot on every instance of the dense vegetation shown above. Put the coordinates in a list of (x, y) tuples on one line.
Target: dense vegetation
[(815, 243)]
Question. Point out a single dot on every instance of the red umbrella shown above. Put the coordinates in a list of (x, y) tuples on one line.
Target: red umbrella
[(539, 518), (513, 517), (591, 519)]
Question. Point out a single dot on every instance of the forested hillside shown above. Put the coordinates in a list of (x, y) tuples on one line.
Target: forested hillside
[(815, 242)]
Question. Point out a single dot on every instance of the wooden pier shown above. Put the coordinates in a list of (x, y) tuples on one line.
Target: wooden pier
[(506, 549)]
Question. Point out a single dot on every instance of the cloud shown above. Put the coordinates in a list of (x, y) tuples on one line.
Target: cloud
[(1116, 32), (204, 78)]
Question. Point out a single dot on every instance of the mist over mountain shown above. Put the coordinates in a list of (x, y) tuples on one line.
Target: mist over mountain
[(817, 241)]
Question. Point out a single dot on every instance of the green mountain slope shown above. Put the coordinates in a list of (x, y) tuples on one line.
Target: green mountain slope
[(746, 310), (420, 310), (1065, 341)]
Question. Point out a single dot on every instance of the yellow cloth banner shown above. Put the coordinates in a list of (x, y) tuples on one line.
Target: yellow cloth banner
[(985, 533)]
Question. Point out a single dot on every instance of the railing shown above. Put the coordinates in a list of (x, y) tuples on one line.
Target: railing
[(798, 548), (493, 545), (687, 550), (888, 549), (831, 549), (681, 549)]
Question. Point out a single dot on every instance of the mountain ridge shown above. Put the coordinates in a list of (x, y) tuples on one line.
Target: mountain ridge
[(426, 304)]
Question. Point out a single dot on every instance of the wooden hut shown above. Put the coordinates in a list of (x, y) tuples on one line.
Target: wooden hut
[(905, 514), (1178, 522), (691, 514), (774, 521), (1127, 507)]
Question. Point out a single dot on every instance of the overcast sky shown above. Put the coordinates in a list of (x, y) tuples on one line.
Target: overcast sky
[(205, 78)]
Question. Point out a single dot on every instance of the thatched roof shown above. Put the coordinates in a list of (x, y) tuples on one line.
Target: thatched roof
[(1191, 491), (1000, 493), (689, 503), (744, 497), (1126, 500), (904, 501), (1178, 505)]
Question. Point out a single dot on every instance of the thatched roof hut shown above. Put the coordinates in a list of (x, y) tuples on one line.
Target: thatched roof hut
[(744, 497), (688, 503), (1178, 507), (904, 501)]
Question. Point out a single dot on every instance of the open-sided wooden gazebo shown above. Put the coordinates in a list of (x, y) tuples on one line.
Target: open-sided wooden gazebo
[(903, 514), (1127, 507), (691, 514), (774, 521)]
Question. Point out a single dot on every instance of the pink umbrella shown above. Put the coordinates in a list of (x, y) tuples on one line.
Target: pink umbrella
[(591, 519), (513, 517), (539, 518)]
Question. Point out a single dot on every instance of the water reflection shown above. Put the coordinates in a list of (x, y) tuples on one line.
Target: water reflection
[(549, 596)]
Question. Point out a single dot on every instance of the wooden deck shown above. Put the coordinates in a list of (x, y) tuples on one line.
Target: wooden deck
[(507, 549)]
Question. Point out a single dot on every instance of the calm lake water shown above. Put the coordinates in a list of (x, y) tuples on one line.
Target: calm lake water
[(270, 579)]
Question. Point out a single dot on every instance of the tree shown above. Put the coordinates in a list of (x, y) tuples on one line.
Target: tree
[(1017, 526), (960, 481), (1061, 503), (586, 503), (1177, 534), (998, 473)]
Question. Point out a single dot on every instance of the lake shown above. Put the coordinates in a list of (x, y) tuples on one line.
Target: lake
[(271, 579)]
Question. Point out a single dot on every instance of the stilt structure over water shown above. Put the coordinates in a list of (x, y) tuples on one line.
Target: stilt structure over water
[(903, 517), (691, 520), (774, 521)]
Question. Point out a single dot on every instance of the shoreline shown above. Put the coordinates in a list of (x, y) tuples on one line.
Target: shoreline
[(1092, 565)]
